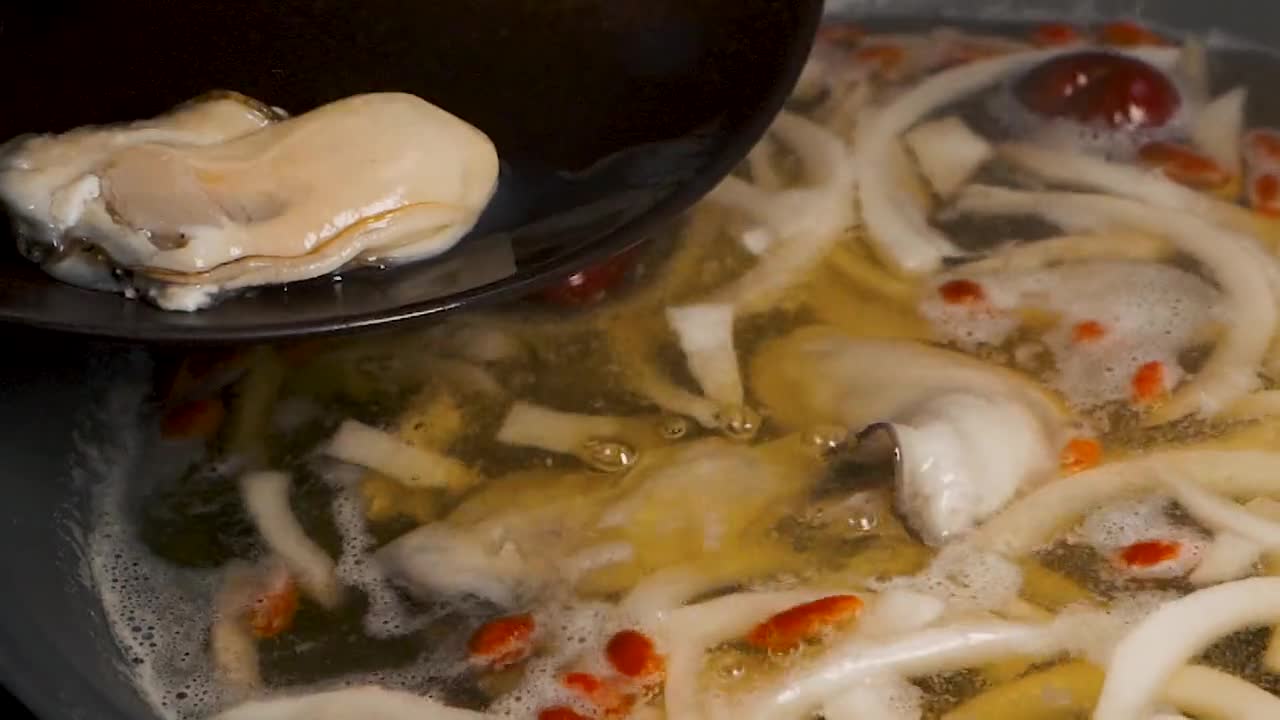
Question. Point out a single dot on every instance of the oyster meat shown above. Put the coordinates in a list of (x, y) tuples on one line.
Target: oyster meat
[(225, 193)]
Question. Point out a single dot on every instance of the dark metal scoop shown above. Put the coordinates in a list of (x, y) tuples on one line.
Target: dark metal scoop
[(610, 116)]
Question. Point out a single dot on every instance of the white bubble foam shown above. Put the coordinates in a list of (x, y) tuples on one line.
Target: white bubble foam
[(1148, 312), (966, 577), (159, 614), (1115, 527), (572, 637), (387, 615), (1125, 523)]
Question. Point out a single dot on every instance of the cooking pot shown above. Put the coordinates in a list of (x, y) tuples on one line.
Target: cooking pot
[(61, 403)]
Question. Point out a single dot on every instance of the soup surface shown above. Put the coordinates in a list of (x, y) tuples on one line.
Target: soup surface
[(955, 402)]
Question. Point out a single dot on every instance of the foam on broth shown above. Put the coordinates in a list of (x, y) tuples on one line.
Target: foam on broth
[(164, 534)]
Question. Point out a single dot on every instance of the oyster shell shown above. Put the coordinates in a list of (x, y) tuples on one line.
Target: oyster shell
[(225, 193)]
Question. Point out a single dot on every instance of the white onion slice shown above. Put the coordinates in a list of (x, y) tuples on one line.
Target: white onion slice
[(923, 652), (1206, 692), (1239, 265), (901, 237), (358, 703), (232, 647), (760, 163), (1034, 519), (690, 631), (899, 233), (1094, 173), (880, 698), (359, 444), (806, 221), (1038, 254), (528, 425), (1255, 406), (652, 599), (235, 656), (1229, 557), (948, 153), (822, 204), (1219, 129), (266, 498), (705, 333), (1192, 68), (1220, 514), (643, 376), (1151, 653)]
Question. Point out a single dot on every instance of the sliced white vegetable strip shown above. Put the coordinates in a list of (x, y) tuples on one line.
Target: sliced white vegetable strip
[(359, 444), (760, 163), (1229, 557), (923, 652), (1034, 519), (901, 237), (1151, 653), (652, 600), (948, 152), (894, 611), (1218, 513), (233, 647), (529, 425), (1094, 173), (1262, 404), (827, 182), (806, 220), (705, 333), (369, 702), (645, 378), (690, 631), (235, 656), (1206, 692), (1192, 68), (1239, 265), (1219, 129), (1026, 257), (881, 698), (266, 497)]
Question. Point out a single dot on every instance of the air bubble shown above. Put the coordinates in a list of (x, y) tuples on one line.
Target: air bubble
[(739, 423), (827, 437), (608, 455), (673, 427)]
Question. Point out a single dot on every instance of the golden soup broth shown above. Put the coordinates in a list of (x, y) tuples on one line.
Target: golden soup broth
[(1093, 330)]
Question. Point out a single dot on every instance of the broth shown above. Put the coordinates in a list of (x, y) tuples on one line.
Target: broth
[(661, 502)]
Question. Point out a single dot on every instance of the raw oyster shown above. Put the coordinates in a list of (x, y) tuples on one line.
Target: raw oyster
[(226, 193)]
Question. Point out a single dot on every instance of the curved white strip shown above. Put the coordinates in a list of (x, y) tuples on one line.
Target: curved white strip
[(1205, 692), (1239, 264), (359, 444), (359, 703), (1035, 518), (266, 497), (1151, 653)]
